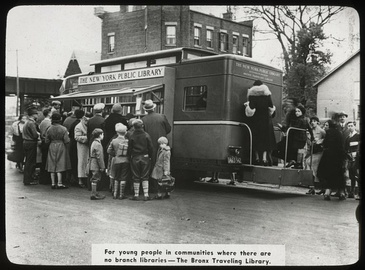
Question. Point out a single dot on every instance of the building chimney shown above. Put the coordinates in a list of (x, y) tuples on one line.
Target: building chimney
[(99, 12), (228, 15)]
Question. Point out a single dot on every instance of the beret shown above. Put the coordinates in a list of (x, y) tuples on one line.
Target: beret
[(99, 107)]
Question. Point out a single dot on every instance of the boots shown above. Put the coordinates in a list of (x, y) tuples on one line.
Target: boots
[(94, 194), (121, 190), (115, 189)]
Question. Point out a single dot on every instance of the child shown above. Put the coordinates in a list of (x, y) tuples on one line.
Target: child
[(96, 162), (140, 151), (120, 164), (162, 168)]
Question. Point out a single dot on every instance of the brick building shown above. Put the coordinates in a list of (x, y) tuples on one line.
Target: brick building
[(140, 29)]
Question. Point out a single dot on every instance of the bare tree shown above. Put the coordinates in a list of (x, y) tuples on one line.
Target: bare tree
[(285, 21)]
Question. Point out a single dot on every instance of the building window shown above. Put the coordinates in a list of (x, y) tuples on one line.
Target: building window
[(111, 42), (197, 36), (131, 8), (235, 44), (223, 42), (111, 68), (171, 35), (358, 112), (245, 45), (209, 38), (133, 65), (195, 98)]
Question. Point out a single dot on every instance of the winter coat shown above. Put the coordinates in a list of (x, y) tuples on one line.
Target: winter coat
[(97, 121), (109, 130), (109, 125), (69, 121), (118, 149), (58, 159), (156, 125), (331, 166), (260, 104), (162, 163), (140, 143), (82, 148), (344, 131), (298, 138), (96, 156), (73, 144)]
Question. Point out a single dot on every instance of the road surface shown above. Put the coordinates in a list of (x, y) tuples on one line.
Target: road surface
[(58, 227)]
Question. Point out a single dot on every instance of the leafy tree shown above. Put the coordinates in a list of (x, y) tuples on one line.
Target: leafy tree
[(299, 30), (307, 64), (284, 23)]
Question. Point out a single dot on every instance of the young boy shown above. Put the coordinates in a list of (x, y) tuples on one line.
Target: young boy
[(162, 169), (120, 165), (140, 151), (97, 165)]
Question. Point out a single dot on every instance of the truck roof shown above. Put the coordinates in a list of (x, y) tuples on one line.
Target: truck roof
[(233, 57)]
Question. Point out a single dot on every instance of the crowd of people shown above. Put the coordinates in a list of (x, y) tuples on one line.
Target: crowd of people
[(122, 153), (331, 152), (118, 153)]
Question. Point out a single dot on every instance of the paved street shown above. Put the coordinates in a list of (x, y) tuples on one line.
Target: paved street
[(58, 227)]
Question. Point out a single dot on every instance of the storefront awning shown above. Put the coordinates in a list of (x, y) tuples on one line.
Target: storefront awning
[(108, 93)]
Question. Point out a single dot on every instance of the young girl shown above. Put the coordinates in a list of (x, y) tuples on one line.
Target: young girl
[(97, 165), (120, 164), (162, 169), (58, 159)]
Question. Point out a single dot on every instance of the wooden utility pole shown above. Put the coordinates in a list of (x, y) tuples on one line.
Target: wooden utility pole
[(17, 85)]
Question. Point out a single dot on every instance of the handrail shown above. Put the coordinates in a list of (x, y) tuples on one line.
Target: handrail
[(286, 144), (249, 131)]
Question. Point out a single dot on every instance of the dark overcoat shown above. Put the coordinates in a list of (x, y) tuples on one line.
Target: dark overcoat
[(156, 125), (263, 137), (331, 166), (297, 138), (97, 121), (109, 126)]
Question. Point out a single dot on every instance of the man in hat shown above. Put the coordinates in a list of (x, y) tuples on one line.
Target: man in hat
[(342, 127), (30, 141), (156, 125), (56, 106), (72, 118), (44, 177), (97, 121)]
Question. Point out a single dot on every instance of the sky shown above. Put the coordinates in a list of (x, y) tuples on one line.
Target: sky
[(46, 36)]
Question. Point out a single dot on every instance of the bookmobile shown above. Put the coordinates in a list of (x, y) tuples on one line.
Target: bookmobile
[(202, 95)]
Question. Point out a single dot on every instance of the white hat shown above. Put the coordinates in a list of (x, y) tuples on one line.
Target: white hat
[(120, 128), (56, 102), (149, 105), (99, 107)]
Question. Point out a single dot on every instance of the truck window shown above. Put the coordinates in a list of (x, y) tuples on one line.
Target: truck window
[(195, 98)]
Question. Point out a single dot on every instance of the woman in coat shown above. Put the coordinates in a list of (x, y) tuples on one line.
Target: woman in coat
[(82, 150), (260, 110), (58, 159), (73, 145), (297, 138), (331, 167)]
